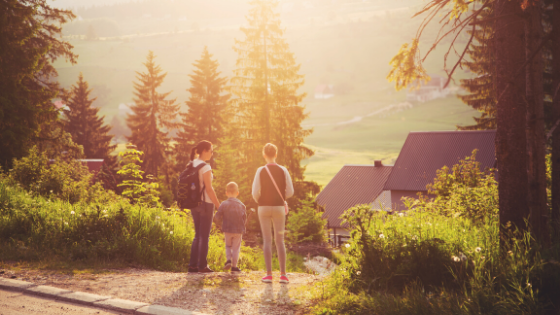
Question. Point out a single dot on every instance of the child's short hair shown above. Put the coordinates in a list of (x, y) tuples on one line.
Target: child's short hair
[(232, 187), (270, 150)]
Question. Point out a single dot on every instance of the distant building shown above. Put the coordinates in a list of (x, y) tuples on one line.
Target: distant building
[(352, 185), (60, 105), (429, 91), (324, 91), (383, 187)]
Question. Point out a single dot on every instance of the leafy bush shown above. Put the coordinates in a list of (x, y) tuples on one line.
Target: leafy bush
[(306, 224), (135, 189), (466, 191)]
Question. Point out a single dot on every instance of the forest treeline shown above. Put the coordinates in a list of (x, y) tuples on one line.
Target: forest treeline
[(259, 104)]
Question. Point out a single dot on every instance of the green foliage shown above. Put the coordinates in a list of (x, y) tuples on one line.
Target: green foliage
[(68, 180), (207, 108), (85, 126), (266, 99), (406, 69), (306, 224), (465, 191), (135, 189), (151, 114), (30, 32), (425, 263)]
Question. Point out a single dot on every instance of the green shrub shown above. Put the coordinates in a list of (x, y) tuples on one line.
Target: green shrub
[(466, 191), (306, 224)]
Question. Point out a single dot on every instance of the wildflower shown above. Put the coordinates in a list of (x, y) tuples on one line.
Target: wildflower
[(72, 212), (105, 211), (528, 284), (478, 249), (482, 257), (347, 245), (462, 256), (65, 223), (381, 235), (106, 216), (157, 217), (415, 238), (163, 224), (171, 232), (401, 214), (510, 253), (455, 259), (51, 191), (359, 273)]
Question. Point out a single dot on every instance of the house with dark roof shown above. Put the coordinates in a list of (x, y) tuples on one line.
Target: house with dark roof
[(423, 153), (383, 187), (352, 185)]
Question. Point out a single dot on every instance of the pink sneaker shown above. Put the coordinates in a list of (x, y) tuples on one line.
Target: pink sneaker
[(267, 279), (284, 279)]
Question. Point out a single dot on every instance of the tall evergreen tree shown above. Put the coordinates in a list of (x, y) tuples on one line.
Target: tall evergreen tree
[(152, 117), (482, 96), (207, 106), (29, 43), (267, 103), (85, 125)]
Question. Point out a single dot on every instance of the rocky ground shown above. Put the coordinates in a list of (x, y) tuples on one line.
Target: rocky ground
[(216, 293)]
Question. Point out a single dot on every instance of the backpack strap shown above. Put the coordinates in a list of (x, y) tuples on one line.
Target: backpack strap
[(274, 182), (198, 168)]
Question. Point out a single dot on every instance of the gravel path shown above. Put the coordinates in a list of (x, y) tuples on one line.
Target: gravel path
[(216, 293)]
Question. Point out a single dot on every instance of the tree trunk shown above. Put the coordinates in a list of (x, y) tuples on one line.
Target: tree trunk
[(511, 147), (536, 166), (555, 143)]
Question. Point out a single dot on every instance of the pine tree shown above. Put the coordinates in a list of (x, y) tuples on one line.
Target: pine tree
[(207, 106), (29, 43), (481, 90), (152, 117), (267, 104), (84, 124)]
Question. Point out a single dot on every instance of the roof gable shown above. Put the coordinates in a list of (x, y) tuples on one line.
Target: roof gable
[(352, 185), (423, 153)]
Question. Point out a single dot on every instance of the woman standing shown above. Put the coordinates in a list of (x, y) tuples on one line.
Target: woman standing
[(204, 213), (271, 187)]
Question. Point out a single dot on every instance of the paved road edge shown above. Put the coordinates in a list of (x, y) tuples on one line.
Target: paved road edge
[(88, 299)]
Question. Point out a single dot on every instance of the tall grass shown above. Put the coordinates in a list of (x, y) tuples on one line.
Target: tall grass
[(423, 263)]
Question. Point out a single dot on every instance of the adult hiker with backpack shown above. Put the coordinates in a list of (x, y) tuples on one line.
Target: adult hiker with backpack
[(195, 192)]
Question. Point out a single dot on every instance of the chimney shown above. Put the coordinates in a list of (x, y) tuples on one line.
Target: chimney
[(377, 163)]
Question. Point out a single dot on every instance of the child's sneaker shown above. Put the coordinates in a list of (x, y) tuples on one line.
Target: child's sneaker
[(284, 279), (267, 279), (227, 265), (235, 269)]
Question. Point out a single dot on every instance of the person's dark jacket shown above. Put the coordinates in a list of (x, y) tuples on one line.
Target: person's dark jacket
[(232, 213)]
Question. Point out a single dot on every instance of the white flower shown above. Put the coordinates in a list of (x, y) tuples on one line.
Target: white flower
[(347, 245), (462, 256), (455, 259), (381, 235), (528, 284), (359, 273), (105, 215), (171, 232), (72, 212), (478, 249), (157, 217), (401, 214), (510, 253), (415, 238), (65, 223), (105, 211), (482, 257), (51, 191), (162, 224)]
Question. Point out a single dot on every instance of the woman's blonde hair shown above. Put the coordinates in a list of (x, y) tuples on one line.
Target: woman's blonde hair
[(270, 150)]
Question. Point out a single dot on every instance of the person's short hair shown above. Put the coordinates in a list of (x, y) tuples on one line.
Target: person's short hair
[(232, 187), (270, 150)]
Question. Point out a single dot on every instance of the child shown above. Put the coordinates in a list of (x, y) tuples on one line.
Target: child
[(232, 211)]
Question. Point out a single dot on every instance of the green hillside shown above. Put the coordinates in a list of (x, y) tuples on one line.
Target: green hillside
[(350, 51)]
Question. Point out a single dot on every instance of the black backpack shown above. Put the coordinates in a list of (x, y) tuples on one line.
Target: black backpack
[(189, 194)]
